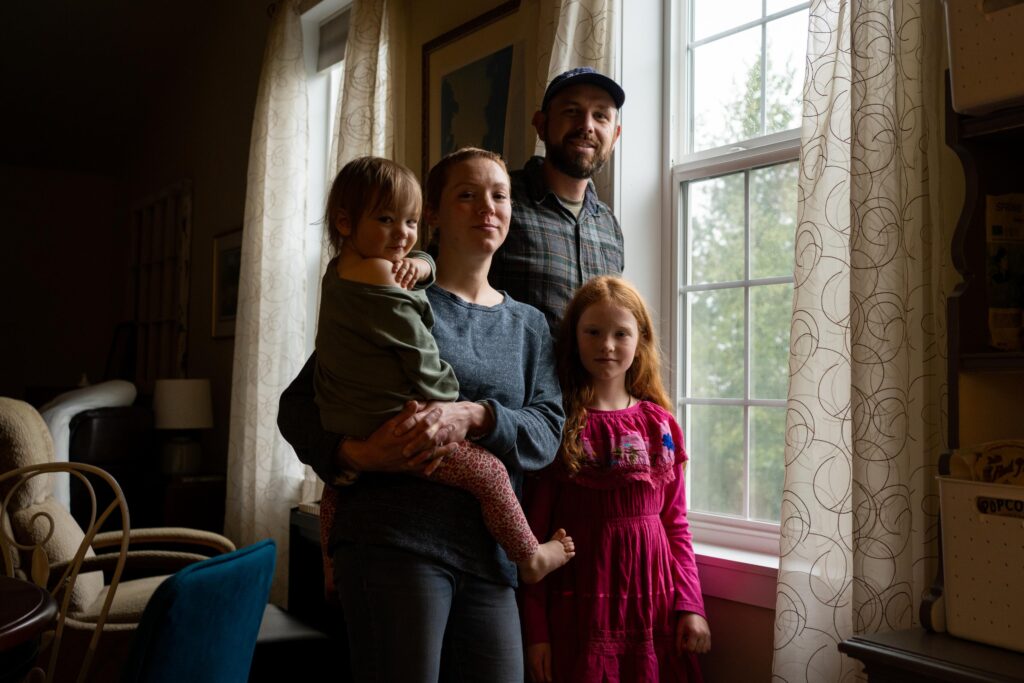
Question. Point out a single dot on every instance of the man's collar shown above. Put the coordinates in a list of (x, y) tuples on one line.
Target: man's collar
[(538, 189)]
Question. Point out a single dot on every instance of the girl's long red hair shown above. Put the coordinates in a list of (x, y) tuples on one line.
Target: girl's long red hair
[(643, 379)]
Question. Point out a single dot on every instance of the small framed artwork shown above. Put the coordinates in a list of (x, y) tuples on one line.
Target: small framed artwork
[(227, 265), (474, 87)]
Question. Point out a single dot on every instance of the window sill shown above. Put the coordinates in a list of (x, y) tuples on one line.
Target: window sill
[(738, 575)]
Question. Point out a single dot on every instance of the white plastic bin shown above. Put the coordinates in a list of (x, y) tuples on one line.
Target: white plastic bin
[(983, 561), (986, 59)]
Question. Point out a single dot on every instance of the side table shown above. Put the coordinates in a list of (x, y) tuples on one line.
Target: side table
[(917, 655), (26, 610), (306, 575)]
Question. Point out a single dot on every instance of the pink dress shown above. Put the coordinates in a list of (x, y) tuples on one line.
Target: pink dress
[(610, 614)]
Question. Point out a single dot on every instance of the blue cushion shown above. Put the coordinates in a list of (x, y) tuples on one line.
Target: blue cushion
[(201, 623)]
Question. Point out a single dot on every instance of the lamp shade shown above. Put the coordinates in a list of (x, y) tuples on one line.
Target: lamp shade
[(182, 404)]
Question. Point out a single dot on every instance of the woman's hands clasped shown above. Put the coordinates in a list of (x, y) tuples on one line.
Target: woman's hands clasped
[(414, 440), (417, 439)]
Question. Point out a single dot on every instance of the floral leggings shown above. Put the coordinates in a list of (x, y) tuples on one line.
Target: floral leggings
[(477, 471)]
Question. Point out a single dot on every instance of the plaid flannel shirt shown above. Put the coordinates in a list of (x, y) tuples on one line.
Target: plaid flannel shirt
[(549, 252)]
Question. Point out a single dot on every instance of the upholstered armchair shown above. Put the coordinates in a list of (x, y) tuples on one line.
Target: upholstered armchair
[(42, 542)]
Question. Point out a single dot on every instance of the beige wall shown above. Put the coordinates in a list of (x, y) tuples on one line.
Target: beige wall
[(741, 642)]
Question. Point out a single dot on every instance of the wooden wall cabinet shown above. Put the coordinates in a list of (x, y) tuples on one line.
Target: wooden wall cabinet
[(991, 149)]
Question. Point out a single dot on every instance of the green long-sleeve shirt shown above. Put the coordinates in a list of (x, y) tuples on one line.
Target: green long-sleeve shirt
[(374, 352)]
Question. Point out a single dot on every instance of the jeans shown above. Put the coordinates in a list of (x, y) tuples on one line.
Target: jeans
[(412, 619)]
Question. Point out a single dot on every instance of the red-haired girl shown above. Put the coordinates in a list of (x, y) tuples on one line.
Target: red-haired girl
[(629, 608)]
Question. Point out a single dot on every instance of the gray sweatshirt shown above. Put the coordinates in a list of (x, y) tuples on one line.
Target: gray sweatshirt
[(502, 354)]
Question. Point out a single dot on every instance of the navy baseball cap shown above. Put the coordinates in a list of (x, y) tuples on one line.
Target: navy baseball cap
[(583, 75)]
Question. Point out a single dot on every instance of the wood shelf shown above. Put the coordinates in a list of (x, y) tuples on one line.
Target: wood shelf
[(995, 361), (1002, 121), (914, 655)]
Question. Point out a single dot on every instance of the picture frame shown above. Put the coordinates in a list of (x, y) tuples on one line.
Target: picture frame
[(227, 262), (488, 50)]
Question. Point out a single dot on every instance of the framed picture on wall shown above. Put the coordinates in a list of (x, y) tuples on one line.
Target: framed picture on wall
[(474, 87), (227, 264)]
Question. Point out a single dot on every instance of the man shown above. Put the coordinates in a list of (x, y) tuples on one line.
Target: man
[(561, 234)]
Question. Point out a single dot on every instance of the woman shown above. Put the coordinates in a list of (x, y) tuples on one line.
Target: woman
[(426, 591)]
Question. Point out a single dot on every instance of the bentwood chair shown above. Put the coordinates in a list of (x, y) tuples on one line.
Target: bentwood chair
[(86, 571)]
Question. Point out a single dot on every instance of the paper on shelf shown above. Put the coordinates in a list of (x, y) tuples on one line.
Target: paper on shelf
[(1004, 270)]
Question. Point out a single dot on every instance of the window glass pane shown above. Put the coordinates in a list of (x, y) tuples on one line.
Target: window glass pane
[(716, 344), (716, 215), (711, 17), (770, 310), (715, 446), (787, 47), (727, 90), (772, 220), (767, 440)]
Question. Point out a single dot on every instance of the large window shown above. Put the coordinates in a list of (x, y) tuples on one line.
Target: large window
[(735, 178)]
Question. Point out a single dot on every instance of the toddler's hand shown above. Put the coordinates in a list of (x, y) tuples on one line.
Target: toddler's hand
[(692, 634), (409, 271)]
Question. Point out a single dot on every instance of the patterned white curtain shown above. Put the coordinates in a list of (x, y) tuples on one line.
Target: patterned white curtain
[(576, 33), (365, 116), (866, 413), (264, 477), (366, 119), (368, 99)]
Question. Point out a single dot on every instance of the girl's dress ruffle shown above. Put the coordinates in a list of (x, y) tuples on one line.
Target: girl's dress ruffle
[(622, 447)]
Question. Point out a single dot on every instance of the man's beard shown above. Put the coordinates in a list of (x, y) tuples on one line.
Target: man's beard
[(578, 166)]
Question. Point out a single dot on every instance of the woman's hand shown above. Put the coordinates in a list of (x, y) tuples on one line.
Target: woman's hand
[(538, 662), (461, 419), (411, 441), (692, 634)]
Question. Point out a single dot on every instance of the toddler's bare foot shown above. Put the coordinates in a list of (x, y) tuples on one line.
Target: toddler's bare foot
[(549, 557)]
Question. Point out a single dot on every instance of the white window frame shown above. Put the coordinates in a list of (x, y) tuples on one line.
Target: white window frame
[(713, 530), (321, 90)]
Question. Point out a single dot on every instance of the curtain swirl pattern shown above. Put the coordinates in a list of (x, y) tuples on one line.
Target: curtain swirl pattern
[(264, 476), (366, 119), (575, 33), (866, 415)]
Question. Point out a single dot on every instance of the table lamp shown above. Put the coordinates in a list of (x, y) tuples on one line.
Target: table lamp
[(182, 407)]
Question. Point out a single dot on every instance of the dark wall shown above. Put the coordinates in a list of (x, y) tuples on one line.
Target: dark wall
[(61, 231), (107, 103)]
